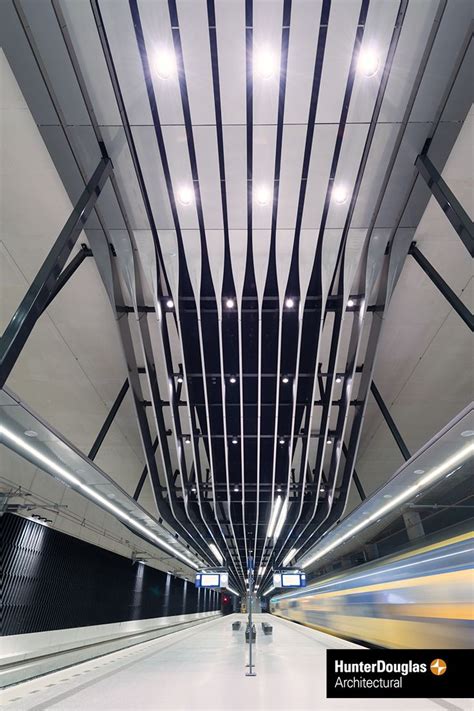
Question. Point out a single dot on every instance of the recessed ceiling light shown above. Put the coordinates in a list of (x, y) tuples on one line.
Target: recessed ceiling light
[(289, 303), (233, 379), (279, 489), (321, 490), (185, 195), (170, 304), (340, 194), (31, 433), (419, 471), (329, 441), (387, 496), (265, 63), (262, 195), (230, 303), (368, 62), (193, 489), (282, 441), (187, 440), (236, 488), (338, 379), (235, 440), (179, 378), (466, 433), (351, 302), (285, 379), (165, 64)]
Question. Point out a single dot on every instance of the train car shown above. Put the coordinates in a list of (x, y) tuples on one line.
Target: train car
[(420, 599)]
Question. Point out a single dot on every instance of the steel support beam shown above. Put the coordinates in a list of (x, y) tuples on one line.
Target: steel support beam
[(46, 281), (390, 422), (452, 298), (68, 271), (355, 476), (447, 201), (108, 421), (144, 474)]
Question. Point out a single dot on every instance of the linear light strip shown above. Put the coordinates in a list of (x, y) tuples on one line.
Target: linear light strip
[(51, 465), (404, 496)]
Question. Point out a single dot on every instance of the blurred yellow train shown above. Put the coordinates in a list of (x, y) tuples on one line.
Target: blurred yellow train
[(420, 599)]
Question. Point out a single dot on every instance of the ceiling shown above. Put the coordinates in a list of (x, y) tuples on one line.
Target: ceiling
[(262, 213)]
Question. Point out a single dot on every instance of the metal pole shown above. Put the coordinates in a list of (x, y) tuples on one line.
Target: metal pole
[(249, 606)]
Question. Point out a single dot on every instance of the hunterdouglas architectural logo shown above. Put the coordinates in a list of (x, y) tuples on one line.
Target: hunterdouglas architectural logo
[(400, 673), (438, 667)]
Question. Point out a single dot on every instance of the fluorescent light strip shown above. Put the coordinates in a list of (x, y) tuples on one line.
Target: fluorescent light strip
[(269, 590), (273, 517), (427, 479), (71, 479), (281, 519), (233, 592), (216, 552), (262, 569), (288, 557)]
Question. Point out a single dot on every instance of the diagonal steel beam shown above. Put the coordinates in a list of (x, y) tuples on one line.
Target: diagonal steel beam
[(448, 202), (390, 422), (108, 421), (452, 298), (45, 283)]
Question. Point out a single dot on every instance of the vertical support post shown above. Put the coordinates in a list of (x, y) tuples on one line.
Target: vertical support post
[(250, 665)]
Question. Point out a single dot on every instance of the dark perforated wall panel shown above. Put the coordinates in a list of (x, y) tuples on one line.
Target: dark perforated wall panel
[(50, 580)]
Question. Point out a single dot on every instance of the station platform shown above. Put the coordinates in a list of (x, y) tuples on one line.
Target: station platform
[(204, 668)]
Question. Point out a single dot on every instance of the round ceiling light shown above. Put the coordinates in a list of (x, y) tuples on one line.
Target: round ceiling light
[(230, 303), (233, 379), (340, 194), (169, 304), (265, 64), (186, 195), (165, 64), (235, 440), (31, 433), (368, 63), (289, 303), (285, 379), (466, 433), (262, 195)]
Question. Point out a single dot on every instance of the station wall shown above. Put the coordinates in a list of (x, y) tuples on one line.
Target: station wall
[(52, 581)]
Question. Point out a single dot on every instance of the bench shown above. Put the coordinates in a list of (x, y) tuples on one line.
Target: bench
[(267, 628)]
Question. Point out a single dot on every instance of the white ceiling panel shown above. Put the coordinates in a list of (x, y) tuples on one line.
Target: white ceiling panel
[(264, 144), (230, 20), (377, 35), (318, 175), (194, 31), (416, 29), (119, 27), (267, 31), (177, 153), (343, 19), (347, 168), (304, 29), (235, 156), (207, 158), (292, 154)]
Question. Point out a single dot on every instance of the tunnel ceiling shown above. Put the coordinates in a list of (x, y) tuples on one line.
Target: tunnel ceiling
[(263, 202)]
